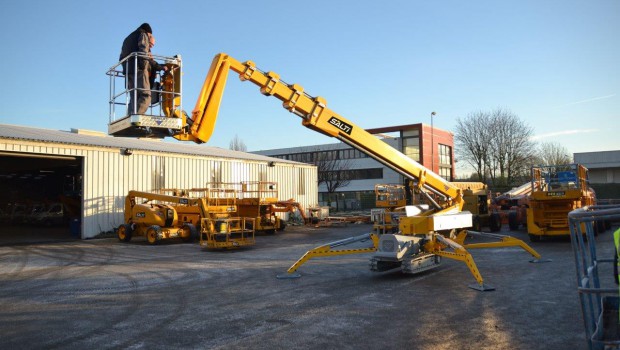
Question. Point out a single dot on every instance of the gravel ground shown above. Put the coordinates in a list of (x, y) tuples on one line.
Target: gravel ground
[(100, 294)]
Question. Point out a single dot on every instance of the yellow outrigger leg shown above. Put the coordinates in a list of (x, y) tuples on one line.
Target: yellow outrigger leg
[(450, 248), (327, 250), (460, 252)]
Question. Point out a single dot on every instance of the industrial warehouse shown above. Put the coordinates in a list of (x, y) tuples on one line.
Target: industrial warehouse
[(94, 172)]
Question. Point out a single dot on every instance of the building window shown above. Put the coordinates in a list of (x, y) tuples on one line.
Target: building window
[(301, 189), (313, 157), (411, 144), (355, 174), (444, 172), (346, 153), (445, 155), (445, 161), (216, 171)]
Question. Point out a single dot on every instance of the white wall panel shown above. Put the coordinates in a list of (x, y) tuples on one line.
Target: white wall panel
[(108, 176)]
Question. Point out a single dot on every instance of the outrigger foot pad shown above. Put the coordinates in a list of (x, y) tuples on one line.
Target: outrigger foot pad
[(286, 276), (540, 261), (481, 287)]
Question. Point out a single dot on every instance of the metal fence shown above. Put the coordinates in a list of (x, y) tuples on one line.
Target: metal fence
[(598, 295)]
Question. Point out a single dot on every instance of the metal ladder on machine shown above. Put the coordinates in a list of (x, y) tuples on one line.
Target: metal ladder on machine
[(599, 298)]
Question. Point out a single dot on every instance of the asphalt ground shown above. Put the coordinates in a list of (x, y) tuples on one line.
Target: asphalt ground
[(103, 294)]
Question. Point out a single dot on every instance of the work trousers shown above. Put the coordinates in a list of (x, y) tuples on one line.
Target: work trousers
[(139, 94)]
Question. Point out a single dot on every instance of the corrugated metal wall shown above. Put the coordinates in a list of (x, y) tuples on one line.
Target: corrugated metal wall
[(108, 176)]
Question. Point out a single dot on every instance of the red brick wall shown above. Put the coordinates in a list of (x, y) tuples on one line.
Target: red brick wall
[(426, 151), (427, 154)]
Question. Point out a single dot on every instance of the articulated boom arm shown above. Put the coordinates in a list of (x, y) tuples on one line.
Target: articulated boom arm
[(316, 116), (130, 200)]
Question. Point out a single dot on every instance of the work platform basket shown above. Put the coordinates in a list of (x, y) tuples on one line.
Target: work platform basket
[(162, 117), (594, 265)]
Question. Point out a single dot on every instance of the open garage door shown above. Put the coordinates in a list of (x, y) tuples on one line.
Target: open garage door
[(40, 197)]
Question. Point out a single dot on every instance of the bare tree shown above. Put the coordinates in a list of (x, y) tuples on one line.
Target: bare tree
[(332, 171), (496, 145), (553, 153), (473, 139), (522, 173), (236, 144), (511, 146)]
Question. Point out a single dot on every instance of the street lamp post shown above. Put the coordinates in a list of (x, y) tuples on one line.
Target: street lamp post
[(432, 143)]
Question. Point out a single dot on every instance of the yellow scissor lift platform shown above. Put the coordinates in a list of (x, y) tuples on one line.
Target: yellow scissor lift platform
[(221, 227)]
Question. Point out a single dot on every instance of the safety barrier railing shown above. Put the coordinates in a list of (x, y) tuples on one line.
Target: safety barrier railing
[(598, 296), (120, 93)]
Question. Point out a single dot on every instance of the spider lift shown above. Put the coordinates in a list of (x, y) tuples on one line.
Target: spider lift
[(427, 233)]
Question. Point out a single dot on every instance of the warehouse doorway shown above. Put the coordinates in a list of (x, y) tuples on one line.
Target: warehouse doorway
[(40, 197)]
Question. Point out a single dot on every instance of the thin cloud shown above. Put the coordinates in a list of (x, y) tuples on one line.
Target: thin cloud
[(562, 133), (587, 100)]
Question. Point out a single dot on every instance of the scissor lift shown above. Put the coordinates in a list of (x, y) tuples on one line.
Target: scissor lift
[(598, 296), (162, 117)]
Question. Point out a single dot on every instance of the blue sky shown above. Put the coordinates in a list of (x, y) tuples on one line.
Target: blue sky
[(556, 64)]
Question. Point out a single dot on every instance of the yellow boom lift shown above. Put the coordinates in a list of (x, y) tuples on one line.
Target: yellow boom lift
[(160, 216), (428, 232)]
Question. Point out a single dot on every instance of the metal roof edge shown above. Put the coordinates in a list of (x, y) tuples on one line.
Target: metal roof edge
[(94, 139)]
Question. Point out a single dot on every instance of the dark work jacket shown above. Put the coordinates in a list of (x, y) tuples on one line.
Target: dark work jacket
[(137, 41)]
